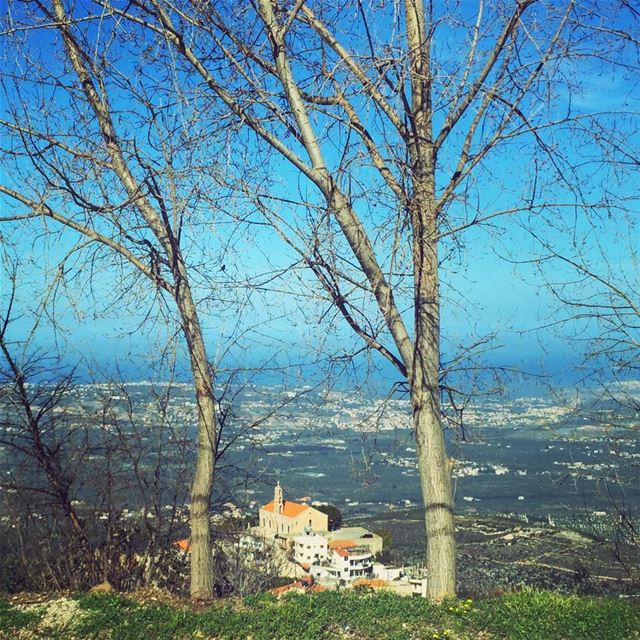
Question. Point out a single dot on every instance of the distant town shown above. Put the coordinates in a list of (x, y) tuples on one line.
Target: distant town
[(532, 455)]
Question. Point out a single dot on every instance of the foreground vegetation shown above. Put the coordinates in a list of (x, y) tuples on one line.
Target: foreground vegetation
[(527, 615)]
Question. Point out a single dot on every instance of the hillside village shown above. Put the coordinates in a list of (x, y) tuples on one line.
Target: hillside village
[(294, 542), (323, 559)]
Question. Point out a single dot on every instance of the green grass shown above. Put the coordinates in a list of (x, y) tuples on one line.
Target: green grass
[(545, 615), (12, 618), (527, 615)]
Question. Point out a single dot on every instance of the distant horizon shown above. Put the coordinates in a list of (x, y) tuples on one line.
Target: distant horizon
[(542, 386)]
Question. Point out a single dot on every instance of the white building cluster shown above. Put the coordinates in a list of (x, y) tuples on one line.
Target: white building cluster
[(344, 557), (340, 556)]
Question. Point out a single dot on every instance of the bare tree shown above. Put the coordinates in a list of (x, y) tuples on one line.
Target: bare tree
[(410, 131), (102, 155), (29, 424), (599, 312), (71, 474), (246, 565), (401, 118), (91, 476), (598, 315)]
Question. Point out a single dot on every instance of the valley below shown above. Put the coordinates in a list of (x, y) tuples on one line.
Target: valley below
[(546, 493)]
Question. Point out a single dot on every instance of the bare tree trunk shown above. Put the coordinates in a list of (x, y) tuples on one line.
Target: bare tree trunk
[(158, 222), (424, 377), (435, 481), (433, 463), (202, 484)]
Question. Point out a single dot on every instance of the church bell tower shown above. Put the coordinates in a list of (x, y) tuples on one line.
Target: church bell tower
[(278, 500)]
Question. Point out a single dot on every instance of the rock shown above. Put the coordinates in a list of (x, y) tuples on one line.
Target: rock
[(103, 587)]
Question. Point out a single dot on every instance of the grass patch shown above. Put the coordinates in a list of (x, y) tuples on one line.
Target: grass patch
[(13, 618), (546, 615), (529, 615)]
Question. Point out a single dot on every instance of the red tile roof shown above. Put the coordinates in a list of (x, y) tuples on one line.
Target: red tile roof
[(300, 585), (340, 544), (374, 583), (289, 510), (294, 586), (183, 544)]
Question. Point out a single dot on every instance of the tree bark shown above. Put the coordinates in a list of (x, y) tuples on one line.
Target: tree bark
[(435, 481), (433, 462), (422, 363), (201, 587), (424, 377), (200, 543)]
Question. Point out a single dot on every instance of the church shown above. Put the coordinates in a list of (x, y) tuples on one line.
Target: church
[(282, 518)]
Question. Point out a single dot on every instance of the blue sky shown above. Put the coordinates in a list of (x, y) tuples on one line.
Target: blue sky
[(490, 286)]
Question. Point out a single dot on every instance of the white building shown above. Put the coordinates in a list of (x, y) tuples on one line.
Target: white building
[(310, 548), (384, 572), (344, 565), (331, 557)]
